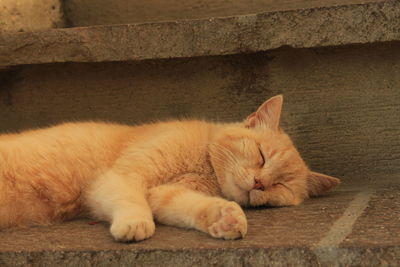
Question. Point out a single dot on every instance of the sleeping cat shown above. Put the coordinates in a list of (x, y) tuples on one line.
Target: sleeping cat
[(185, 173)]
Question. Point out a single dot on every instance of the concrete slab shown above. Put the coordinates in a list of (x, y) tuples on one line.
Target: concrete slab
[(345, 23), (380, 222), (295, 236), (103, 12)]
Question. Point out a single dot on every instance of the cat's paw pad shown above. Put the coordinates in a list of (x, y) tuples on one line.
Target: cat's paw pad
[(132, 230), (231, 224)]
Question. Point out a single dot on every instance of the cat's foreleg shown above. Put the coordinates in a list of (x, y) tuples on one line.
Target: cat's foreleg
[(122, 201), (180, 206)]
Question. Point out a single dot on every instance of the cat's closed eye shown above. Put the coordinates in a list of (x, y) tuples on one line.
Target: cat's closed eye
[(262, 158)]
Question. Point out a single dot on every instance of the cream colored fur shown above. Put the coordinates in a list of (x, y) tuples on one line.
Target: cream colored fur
[(185, 173)]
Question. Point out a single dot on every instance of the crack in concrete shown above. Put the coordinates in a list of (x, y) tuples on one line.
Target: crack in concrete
[(327, 248)]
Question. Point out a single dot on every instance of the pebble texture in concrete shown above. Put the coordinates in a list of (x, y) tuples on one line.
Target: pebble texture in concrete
[(28, 15), (294, 236), (375, 21)]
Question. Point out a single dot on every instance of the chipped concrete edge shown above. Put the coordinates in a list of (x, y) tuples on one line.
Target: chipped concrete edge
[(289, 256), (303, 28), (327, 252)]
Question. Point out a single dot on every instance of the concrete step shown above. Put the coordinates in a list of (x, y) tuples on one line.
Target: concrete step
[(355, 225), (346, 23), (338, 66), (93, 12)]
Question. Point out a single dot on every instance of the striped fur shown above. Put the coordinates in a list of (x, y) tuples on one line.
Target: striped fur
[(186, 173)]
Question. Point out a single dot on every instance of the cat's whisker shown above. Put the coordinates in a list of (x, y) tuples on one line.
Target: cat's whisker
[(222, 157), (226, 152), (223, 160)]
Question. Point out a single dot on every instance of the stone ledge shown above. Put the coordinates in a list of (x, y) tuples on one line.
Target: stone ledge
[(94, 12), (375, 21), (357, 224)]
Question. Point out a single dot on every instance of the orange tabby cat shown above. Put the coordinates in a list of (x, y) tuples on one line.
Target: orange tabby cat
[(176, 171)]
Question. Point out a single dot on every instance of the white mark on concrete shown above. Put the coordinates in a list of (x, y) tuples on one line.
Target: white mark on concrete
[(326, 249)]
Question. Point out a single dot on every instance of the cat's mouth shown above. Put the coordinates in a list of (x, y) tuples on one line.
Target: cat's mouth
[(257, 198), (251, 194)]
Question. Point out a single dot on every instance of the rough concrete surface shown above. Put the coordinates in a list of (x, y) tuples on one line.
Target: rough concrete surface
[(341, 104), (289, 236), (29, 15), (323, 26), (103, 12)]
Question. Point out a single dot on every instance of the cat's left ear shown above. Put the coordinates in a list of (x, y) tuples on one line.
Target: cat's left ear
[(268, 114), (319, 183)]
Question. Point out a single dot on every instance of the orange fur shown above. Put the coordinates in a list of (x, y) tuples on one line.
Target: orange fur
[(181, 172)]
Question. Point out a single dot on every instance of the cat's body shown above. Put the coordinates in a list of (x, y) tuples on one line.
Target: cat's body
[(177, 171)]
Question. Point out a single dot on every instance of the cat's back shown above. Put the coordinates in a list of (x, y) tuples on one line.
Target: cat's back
[(178, 133), (90, 142), (82, 147), (64, 145)]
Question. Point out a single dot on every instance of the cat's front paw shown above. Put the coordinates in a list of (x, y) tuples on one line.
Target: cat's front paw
[(231, 222), (132, 230)]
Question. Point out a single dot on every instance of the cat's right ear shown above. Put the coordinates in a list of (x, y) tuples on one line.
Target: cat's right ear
[(268, 114), (318, 183)]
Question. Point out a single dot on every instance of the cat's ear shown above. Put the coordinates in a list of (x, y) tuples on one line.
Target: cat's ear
[(268, 114), (319, 183)]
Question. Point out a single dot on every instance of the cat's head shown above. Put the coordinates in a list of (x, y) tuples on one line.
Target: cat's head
[(257, 164)]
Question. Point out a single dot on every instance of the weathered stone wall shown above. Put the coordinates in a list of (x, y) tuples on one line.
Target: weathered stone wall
[(30, 15), (341, 104), (33, 15)]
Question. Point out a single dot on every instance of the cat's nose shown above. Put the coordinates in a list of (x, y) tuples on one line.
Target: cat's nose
[(258, 185)]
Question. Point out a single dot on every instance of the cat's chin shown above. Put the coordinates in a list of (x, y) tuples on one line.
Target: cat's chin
[(244, 199), (257, 198), (252, 198), (249, 197)]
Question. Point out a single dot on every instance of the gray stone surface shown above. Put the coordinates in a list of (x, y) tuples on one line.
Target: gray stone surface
[(289, 236), (332, 25), (341, 108), (341, 104), (28, 15)]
